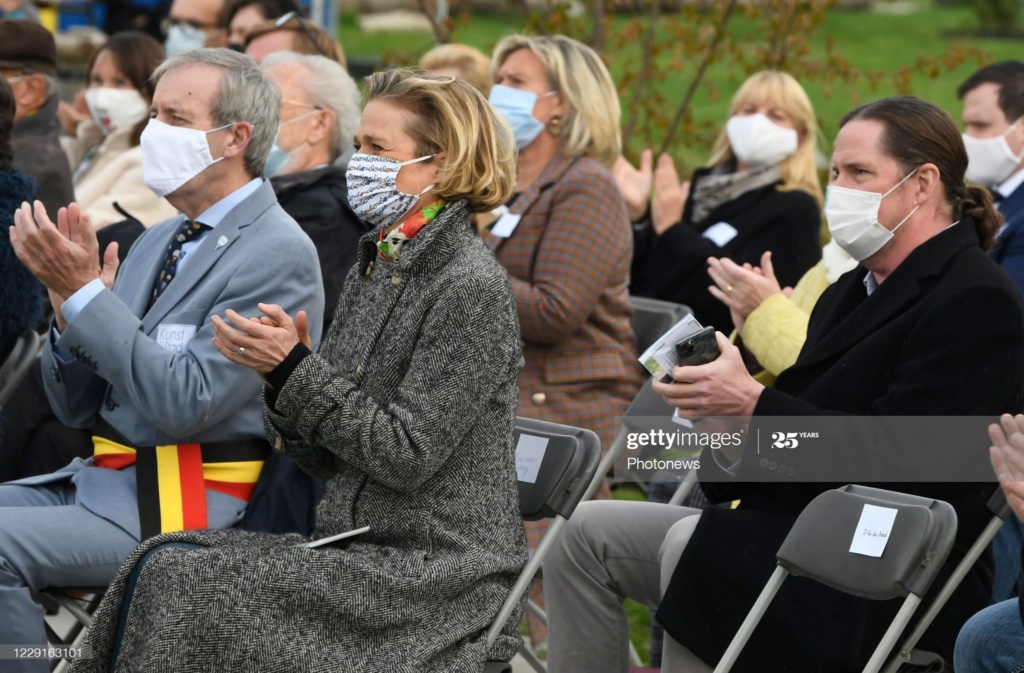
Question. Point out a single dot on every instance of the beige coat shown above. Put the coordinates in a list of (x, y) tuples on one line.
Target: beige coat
[(114, 174)]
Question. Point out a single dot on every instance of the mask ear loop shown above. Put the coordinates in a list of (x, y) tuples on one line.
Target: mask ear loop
[(1010, 129), (897, 185), (911, 213), (416, 161)]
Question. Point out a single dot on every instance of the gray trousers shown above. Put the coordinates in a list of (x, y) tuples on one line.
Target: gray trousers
[(47, 540), (610, 551)]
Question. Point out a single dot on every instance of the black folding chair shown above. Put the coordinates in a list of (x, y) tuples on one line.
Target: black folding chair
[(654, 317), (81, 604), (569, 459), (14, 368), (818, 547), (1000, 512), (647, 404)]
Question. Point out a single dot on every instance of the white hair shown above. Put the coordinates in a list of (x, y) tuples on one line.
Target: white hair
[(328, 87), (245, 95)]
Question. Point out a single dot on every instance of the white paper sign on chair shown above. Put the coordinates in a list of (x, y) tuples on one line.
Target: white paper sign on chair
[(873, 530), (529, 455)]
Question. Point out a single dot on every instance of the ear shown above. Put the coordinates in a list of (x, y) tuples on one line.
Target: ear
[(33, 94), (438, 166), (1016, 137), (928, 181), (323, 124), (237, 140), (561, 107)]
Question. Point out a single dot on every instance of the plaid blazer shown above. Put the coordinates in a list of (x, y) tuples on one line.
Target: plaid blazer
[(569, 260)]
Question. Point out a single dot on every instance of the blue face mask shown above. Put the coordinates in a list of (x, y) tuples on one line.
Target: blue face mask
[(277, 158), (516, 107)]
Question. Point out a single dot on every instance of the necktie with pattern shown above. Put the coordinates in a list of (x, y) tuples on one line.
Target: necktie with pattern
[(189, 231)]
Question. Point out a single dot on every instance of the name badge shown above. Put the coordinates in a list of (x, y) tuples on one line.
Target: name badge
[(720, 233), (505, 225), (174, 337)]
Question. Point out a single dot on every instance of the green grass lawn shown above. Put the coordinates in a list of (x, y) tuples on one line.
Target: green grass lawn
[(871, 41)]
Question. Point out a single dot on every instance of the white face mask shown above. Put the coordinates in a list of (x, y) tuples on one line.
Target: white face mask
[(852, 217), (990, 160), (114, 109), (182, 37), (758, 141), (373, 192), (173, 155)]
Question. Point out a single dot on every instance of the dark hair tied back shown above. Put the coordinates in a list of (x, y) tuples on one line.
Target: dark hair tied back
[(977, 204)]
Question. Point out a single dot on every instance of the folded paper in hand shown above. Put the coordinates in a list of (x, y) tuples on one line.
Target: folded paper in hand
[(661, 357)]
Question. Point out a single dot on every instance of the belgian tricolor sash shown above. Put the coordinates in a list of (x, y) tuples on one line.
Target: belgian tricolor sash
[(172, 479)]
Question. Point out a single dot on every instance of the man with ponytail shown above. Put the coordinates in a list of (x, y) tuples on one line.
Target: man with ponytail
[(926, 325)]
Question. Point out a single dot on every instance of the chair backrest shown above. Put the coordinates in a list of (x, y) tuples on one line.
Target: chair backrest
[(998, 505), (558, 462), (819, 544), (649, 403), (13, 369), (653, 317)]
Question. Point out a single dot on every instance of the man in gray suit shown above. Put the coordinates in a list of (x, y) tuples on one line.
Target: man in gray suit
[(177, 428)]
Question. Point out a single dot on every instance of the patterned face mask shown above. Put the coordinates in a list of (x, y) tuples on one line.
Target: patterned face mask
[(372, 191)]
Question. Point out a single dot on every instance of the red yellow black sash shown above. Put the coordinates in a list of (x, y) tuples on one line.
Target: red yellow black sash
[(172, 479)]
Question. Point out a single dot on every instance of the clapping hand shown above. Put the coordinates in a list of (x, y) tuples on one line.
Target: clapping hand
[(1007, 454), (260, 343), (65, 256), (635, 184), (742, 288), (669, 195)]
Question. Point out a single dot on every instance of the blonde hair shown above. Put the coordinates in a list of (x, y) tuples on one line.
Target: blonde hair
[(471, 62), (451, 116), (798, 170), (591, 127)]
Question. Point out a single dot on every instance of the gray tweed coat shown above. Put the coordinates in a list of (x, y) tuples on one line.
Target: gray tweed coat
[(408, 411)]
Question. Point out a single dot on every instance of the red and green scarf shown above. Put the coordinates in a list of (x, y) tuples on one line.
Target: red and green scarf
[(390, 243)]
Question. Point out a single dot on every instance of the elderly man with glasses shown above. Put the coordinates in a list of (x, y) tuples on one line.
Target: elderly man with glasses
[(28, 61), (193, 24), (306, 165), (292, 33)]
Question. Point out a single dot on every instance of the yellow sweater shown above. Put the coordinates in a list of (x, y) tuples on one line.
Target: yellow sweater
[(775, 331)]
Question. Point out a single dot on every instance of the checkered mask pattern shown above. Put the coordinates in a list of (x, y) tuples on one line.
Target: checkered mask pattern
[(189, 231)]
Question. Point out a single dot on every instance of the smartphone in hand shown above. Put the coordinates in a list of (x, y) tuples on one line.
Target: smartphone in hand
[(698, 349)]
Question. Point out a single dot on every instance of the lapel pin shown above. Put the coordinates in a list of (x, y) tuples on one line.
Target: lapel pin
[(221, 242)]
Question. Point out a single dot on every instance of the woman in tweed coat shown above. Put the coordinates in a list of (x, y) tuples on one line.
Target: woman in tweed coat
[(407, 411)]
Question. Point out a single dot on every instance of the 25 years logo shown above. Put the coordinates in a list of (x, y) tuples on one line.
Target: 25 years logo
[(790, 440), (784, 440)]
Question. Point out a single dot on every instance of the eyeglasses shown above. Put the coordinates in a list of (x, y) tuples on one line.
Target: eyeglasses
[(168, 23), (285, 18), (290, 101), (19, 76)]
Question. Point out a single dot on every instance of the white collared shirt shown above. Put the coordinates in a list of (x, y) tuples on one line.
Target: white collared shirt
[(1010, 184)]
